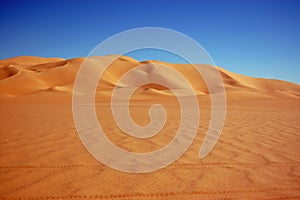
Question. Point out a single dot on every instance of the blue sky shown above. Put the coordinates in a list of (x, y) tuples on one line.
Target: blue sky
[(251, 37)]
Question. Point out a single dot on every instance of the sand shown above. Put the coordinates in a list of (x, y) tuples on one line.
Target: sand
[(42, 157)]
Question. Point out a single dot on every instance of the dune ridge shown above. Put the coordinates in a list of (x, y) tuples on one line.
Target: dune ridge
[(29, 74)]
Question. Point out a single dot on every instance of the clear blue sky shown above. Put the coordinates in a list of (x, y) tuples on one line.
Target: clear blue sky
[(252, 37)]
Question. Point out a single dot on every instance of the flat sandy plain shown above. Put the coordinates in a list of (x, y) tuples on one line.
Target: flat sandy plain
[(42, 157)]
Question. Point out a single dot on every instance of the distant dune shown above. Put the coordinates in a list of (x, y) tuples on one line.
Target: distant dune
[(28, 74)]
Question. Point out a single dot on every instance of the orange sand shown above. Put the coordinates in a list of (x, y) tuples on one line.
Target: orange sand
[(42, 157)]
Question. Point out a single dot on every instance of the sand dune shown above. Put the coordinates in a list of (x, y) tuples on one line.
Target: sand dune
[(42, 157), (44, 74)]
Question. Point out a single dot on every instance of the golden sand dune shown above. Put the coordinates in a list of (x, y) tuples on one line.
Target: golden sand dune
[(42, 157), (27, 75)]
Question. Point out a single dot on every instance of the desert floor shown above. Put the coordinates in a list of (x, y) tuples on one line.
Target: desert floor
[(256, 157)]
